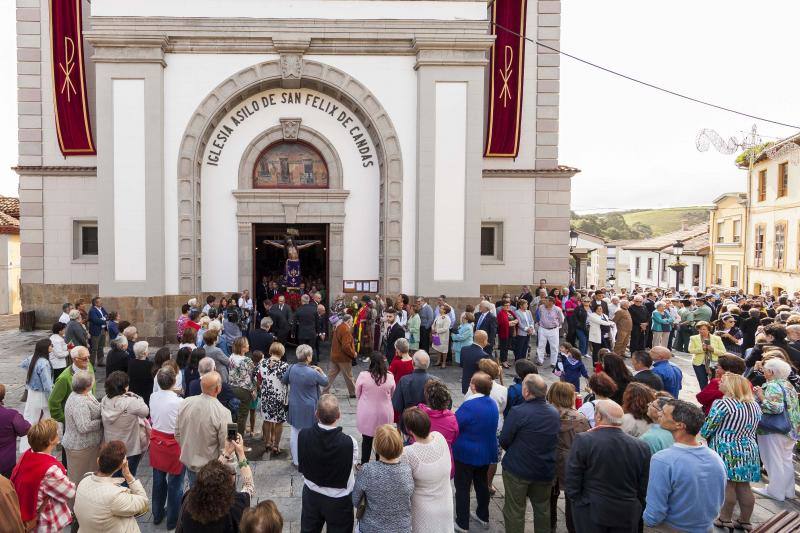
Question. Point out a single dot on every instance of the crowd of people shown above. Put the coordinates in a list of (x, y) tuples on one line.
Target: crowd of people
[(609, 431)]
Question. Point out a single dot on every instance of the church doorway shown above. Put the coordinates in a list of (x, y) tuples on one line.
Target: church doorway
[(274, 258)]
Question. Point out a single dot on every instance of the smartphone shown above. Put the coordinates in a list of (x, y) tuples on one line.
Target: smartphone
[(232, 431), (707, 342)]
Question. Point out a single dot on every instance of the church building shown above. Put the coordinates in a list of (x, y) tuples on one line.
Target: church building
[(171, 149)]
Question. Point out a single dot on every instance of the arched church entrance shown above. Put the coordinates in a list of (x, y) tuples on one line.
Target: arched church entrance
[(290, 177)]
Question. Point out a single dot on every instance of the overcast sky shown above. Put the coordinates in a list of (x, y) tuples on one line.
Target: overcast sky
[(634, 146)]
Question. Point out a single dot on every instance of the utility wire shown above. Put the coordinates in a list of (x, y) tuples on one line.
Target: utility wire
[(646, 84)]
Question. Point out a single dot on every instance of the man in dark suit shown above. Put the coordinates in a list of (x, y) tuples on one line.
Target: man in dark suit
[(410, 391), (598, 297), (321, 319), (393, 332), (643, 373), (606, 475), (640, 319), (470, 356), (281, 319), (306, 318), (486, 321), (261, 291), (260, 338), (97, 330)]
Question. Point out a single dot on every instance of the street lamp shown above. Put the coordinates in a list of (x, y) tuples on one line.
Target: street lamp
[(677, 266), (573, 240)]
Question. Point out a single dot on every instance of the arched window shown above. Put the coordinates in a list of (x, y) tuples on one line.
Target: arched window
[(290, 165)]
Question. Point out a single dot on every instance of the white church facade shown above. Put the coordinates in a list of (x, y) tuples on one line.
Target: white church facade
[(357, 126)]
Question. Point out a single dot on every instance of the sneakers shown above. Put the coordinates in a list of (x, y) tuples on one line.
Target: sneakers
[(484, 523), (459, 529)]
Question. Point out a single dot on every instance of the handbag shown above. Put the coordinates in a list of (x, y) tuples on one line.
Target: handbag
[(362, 506), (777, 423), (144, 434), (435, 339)]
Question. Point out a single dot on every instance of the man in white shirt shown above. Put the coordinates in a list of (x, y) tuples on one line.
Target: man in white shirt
[(65, 309), (167, 484)]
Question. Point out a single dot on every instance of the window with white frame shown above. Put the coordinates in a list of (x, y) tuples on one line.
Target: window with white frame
[(84, 240), (636, 267), (649, 268), (720, 232), (734, 275), (718, 274), (492, 241), (737, 231)]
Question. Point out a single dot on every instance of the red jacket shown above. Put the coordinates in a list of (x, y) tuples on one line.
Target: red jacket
[(502, 324), (27, 477), (709, 394)]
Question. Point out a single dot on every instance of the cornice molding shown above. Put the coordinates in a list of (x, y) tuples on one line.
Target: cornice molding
[(282, 36), (559, 172), (55, 171), (128, 49)]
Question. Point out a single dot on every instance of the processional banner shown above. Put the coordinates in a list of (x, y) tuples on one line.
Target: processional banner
[(69, 83), (506, 79)]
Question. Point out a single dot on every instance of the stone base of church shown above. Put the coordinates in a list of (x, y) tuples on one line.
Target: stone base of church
[(153, 316)]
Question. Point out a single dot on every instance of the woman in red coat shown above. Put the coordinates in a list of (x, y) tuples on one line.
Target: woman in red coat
[(506, 322)]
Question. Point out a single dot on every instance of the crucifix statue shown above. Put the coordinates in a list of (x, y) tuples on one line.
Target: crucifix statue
[(292, 248)]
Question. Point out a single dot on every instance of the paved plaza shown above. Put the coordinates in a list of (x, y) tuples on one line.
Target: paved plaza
[(277, 479)]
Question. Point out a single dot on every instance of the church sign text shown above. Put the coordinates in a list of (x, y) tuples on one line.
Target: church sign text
[(298, 98)]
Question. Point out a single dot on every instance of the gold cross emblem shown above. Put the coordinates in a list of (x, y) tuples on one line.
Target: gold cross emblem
[(67, 67), (505, 73)]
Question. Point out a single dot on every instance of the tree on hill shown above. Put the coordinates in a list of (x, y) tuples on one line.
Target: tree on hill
[(610, 226)]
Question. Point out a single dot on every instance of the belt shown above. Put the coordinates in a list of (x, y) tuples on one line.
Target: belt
[(554, 327)]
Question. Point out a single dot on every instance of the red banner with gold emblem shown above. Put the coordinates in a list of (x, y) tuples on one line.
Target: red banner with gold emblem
[(69, 84), (506, 79)]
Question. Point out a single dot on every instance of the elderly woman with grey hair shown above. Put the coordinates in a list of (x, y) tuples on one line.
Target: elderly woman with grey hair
[(304, 382), (83, 427), (76, 333), (778, 430), (117, 358), (140, 371)]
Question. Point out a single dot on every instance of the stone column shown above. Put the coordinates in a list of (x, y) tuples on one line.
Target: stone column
[(551, 228), (548, 32), (450, 123), (246, 280), (336, 259), (133, 71)]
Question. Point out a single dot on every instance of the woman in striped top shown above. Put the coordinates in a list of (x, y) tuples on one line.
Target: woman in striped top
[(730, 430)]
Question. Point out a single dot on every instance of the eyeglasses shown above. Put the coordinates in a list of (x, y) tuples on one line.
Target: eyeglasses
[(655, 405)]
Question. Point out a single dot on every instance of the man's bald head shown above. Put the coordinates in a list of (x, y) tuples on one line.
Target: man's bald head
[(421, 359), (211, 383), (328, 409), (481, 338), (660, 353), (608, 413), (534, 386)]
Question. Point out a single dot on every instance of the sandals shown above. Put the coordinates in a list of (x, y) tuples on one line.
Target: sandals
[(744, 526), (724, 524)]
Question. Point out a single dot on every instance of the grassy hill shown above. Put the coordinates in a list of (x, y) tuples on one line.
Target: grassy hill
[(665, 220)]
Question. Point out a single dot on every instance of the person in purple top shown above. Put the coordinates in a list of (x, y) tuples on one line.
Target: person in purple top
[(12, 425)]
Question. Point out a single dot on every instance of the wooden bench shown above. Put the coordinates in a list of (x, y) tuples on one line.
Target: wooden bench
[(783, 522)]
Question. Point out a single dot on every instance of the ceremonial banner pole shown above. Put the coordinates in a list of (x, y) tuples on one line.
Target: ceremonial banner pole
[(69, 83), (506, 78)]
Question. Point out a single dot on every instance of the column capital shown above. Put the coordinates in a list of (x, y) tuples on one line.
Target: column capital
[(470, 51), (128, 49)]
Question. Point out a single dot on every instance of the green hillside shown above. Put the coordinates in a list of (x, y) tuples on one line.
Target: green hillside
[(666, 220)]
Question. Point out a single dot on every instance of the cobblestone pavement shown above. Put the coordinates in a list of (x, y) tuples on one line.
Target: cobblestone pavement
[(278, 480)]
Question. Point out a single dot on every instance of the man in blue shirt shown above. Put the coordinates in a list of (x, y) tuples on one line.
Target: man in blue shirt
[(686, 487), (530, 438), (670, 374)]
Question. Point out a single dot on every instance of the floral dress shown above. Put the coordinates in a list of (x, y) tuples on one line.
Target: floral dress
[(730, 430), (774, 404), (274, 393)]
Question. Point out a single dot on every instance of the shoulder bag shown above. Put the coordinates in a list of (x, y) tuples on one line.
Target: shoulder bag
[(777, 423)]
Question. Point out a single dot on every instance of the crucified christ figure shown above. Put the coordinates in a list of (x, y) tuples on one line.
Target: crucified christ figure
[(292, 270)]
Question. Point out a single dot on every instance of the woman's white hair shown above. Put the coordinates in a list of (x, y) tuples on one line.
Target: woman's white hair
[(140, 349), (215, 325), (304, 353), (779, 368)]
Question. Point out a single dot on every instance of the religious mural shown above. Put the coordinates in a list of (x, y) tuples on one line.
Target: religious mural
[(293, 165)]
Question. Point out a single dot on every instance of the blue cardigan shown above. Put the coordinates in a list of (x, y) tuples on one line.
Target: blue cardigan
[(660, 322), (476, 444)]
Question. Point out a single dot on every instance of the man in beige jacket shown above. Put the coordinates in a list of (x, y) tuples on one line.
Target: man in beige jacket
[(202, 426), (102, 504)]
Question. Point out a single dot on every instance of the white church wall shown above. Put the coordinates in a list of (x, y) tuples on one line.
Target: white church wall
[(393, 81), (219, 228), (188, 79), (326, 9), (509, 202)]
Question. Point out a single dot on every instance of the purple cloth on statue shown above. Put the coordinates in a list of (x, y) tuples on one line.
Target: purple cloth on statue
[(292, 272)]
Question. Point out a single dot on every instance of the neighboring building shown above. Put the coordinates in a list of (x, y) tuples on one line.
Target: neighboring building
[(618, 262), (220, 125), (9, 256), (726, 257), (773, 222), (649, 259), (590, 261)]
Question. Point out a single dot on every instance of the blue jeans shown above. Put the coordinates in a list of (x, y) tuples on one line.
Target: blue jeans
[(583, 341), (702, 375), (191, 477), (167, 488)]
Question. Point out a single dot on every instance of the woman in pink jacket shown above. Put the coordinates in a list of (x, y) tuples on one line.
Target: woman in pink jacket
[(374, 391), (443, 420)]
